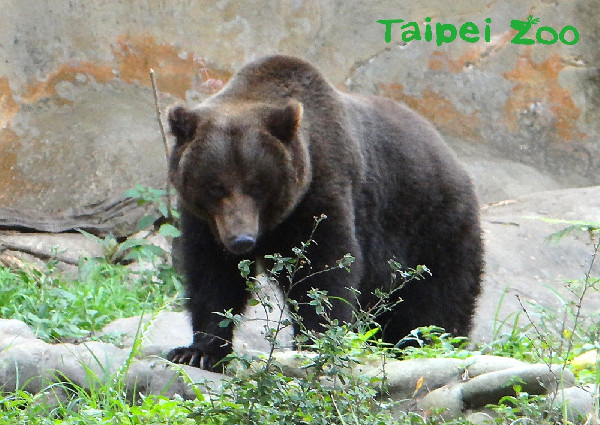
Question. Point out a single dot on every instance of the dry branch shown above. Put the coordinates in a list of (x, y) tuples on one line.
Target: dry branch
[(117, 216)]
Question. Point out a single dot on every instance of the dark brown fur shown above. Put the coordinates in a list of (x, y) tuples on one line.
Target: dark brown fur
[(255, 164)]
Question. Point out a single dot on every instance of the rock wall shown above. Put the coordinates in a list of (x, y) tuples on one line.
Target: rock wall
[(77, 119)]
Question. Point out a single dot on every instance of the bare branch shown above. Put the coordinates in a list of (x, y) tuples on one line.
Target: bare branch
[(165, 144)]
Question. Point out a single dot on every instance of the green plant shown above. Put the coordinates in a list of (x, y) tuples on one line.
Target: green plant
[(160, 219), (60, 309), (330, 392), (433, 341), (155, 197), (105, 289), (521, 408)]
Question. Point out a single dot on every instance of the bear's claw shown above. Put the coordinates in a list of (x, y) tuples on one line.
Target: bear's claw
[(196, 357)]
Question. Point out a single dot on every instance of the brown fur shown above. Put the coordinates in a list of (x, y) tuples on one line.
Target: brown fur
[(255, 164)]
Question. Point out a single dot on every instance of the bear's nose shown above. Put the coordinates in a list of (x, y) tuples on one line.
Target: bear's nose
[(242, 244)]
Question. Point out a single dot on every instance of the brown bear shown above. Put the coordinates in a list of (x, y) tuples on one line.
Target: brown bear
[(278, 146)]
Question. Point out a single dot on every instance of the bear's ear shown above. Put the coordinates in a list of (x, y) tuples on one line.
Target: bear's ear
[(183, 122), (284, 122)]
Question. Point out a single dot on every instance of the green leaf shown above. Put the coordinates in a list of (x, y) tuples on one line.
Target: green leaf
[(63, 294), (152, 250), (162, 209), (145, 250), (89, 236), (132, 193), (157, 192), (169, 230), (146, 221), (244, 268), (253, 302), (369, 334), (130, 243)]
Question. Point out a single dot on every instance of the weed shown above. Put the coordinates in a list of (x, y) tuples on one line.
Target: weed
[(58, 309)]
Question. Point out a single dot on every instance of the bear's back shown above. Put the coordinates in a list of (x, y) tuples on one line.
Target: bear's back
[(276, 78)]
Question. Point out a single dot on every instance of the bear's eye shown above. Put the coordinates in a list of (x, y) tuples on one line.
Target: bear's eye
[(216, 191)]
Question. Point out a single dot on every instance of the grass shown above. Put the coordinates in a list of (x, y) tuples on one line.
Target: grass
[(61, 310), (110, 407)]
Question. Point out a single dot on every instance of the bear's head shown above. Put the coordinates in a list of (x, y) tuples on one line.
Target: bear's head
[(242, 167)]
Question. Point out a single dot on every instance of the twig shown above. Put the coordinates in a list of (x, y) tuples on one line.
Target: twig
[(165, 144), (569, 347), (337, 409), (541, 336), (586, 287)]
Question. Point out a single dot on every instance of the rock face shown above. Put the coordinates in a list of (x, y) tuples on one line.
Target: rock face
[(522, 261), (77, 121)]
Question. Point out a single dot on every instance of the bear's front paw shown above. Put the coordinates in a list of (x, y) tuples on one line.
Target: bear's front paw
[(196, 357)]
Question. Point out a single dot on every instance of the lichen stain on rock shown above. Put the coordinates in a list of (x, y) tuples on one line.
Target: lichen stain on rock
[(472, 57), (136, 54), (438, 110), (8, 140), (8, 106), (539, 82), (67, 72), (13, 184)]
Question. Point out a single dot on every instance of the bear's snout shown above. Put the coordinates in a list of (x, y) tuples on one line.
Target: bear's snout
[(242, 244), (237, 220)]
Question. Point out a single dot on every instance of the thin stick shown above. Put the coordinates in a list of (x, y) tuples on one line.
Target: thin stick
[(165, 144)]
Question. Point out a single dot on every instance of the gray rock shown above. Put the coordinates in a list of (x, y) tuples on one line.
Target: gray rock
[(17, 260), (32, 364), (446, 402), (170, 329), (34, 250), (579, 402), (159, 334), (490, 386), (435, 386), (481, 418), (64, 247), (522, 261), (13, 327), (21, 365), (532, 379), (497, 179), (478, 365), (403, 376), (250, 335)]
